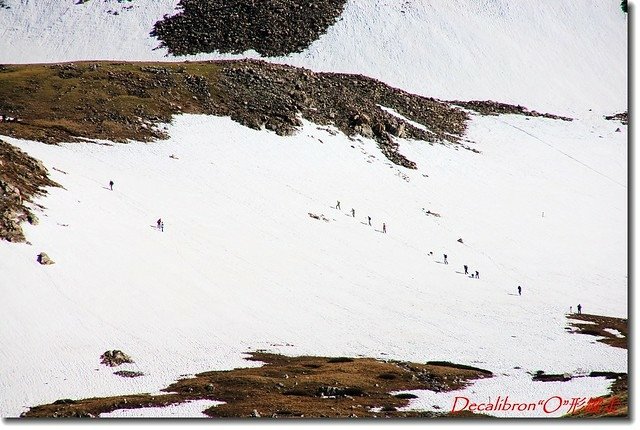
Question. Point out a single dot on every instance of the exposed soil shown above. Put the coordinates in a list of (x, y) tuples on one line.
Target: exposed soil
[(287, 387), (21, 179), (623, 117), (597, 329), (615, 404), (271, 28)]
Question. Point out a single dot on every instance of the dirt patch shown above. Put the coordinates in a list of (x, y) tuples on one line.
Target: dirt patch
[(597, 328), (286, 387), (21, 179), (271, 28)]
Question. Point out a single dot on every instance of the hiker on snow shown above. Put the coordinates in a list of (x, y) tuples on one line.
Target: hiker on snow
[(159, 223), (338, 205), (466, 269), (111, 185), (445, 259), (369, 218), (519, 290), (384, 228), (353, 212), (477, 275), (579, 308)]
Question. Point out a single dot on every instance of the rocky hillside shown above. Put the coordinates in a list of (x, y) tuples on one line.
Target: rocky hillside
[(21, 178), (126, 101), (272, 28)]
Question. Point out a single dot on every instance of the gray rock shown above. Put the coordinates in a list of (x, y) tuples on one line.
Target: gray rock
[(44, 259)]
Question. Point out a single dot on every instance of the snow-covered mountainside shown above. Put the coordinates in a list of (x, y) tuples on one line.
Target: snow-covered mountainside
[(256, 255), (558, 56), (241, 265)]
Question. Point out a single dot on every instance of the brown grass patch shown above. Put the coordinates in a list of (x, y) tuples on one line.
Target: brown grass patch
[(310, 387), (597, 329)]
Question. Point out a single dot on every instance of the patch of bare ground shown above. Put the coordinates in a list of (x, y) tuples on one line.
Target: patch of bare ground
[(595, 325), (288, 387), (616, 404), (21, 179)]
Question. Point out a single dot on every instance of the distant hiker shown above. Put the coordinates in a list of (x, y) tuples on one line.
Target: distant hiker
[(162, 226), (570, 309), (369, 218), (353, 212), (338, 205), (466, 269), (519, 290), (384, 228), (430, 252), (477, 275), (445, 259), (159, 223), (579, 308), (111, 185)]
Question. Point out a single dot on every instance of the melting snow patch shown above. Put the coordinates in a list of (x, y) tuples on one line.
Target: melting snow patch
[(614, 332), (192, 409)]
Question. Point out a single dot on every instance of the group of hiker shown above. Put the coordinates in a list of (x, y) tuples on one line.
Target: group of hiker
[(353, 214), (159, 223)]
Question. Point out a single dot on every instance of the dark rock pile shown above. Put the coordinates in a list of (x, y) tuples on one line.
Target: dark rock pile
[(623, 117), (21, 178), (489, 107), (272, 28), (115, 358), (128, 373)]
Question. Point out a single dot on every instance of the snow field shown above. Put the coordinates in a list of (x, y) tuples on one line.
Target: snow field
[(241, 266)]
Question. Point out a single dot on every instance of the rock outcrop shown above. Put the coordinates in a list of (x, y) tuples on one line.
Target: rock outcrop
[(115, 358), (21, 178)]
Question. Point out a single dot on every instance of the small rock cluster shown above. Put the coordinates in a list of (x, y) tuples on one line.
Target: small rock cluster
[(490, 107), (271, 28), (115, 358), (623, 117)]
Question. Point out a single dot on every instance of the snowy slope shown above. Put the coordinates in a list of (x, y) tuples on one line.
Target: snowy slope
[(241, 266), (566, 57)]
